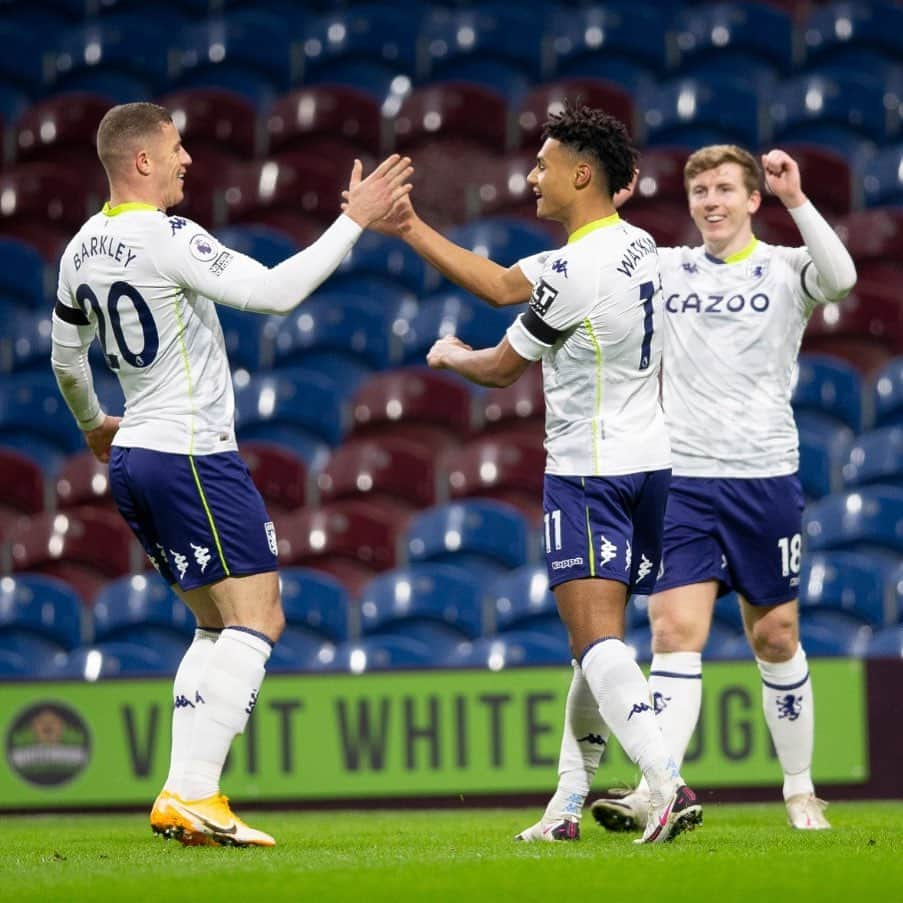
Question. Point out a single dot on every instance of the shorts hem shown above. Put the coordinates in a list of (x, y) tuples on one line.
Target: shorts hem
[(768, 603), (570, 577), (243, 573)]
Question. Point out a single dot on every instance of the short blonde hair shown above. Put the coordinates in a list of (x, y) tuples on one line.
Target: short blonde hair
[(714, 155), (124, 126)]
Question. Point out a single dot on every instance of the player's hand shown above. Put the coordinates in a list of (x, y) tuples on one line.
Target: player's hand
[(437, 357), (101, 438), (782, 178), (371, 199), (625, 194)]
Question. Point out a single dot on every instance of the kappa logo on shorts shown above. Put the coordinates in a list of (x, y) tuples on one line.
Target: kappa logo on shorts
[(628, 556), (271, 537), (645, 568), (180, 562), (607, 550), (566, 563), (201, 556)]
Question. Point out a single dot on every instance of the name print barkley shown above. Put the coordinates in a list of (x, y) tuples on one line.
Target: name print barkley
[(104, 246)]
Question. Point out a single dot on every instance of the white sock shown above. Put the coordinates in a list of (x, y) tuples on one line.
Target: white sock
[(583, 741), (790, 716), (622, 695), (184, 689), (228, 693), (675, 681)]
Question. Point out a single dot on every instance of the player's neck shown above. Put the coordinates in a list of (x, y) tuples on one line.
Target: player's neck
[(127, 194), (724, 249), (577, 219)]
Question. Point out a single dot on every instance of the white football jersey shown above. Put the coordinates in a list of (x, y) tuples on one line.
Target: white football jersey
[(732, 335), (144, 280), (594, 319)]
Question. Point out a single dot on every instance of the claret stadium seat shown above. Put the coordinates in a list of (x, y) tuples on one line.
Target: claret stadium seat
[(279, 474)]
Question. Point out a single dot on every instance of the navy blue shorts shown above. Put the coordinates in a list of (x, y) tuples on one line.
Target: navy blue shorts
[(200, 518), (609, 527), (744, 533)]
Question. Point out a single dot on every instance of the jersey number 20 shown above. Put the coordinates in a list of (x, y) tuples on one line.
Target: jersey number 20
[(150, 339)]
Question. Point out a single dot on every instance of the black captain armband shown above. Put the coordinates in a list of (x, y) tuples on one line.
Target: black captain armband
[(538, 328), (71, 315)]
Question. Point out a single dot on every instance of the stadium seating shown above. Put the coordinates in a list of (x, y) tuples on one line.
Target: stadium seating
[(22, 488), (324, 119), (826, 634), (503, 240), (876, 457), (521, 403), (39, 616), (830, 388), (142, 609), (874, 235), (887, 394), (114, 659), (824, 448), (25, 50), (279, 474), (515, 649), (882, 179), (867, 519), (380, 653), (429, 602), (833, 33), (85, 547), (521, 600), (314, 604), (215, 119), (248, 336), (387, 262), (41, 195), (392, 471), (82, 481), (853, 583), (22, 275), (886, 643), (485, 537)]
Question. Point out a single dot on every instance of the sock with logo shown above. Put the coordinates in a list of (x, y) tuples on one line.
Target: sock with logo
[(184, 689), (622, 694), (790, 716), (675, 681), (228, 691), (582, 744)]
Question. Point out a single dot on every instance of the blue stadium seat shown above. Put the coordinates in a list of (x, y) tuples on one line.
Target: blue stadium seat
[(14, 665), (33, 413), (23, 275), (454, 313), (888, 394), (725, 644), (142, 609), (501, 239), (882, 177), (128, 48), (746, 33), (23, 59), (498, 46), (522, 599), (829, 387), (296, 651), (13, 103), (825, 634), (513, 649), (876, 457), (378, 38), (693, 111), (853, 583), (867, 519), (388, 261), (428, 602), (485, 537), (103, 660), (341, 336), (39, 614), (25, 341), (618, 44), (249, 337), (728, 612), (834, 32), (827, 109), (824, 449), (293, 407), (251, 54), (315, 604), (886, 643), (381, 653)]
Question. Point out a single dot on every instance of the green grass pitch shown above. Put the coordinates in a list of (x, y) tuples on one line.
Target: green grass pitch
[(740, 853)]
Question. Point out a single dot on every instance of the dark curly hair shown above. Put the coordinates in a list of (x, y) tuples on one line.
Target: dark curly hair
[(588, 130)]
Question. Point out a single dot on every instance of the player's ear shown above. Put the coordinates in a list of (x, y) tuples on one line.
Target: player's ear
[(583, 175), (142, 162), (754, 202)]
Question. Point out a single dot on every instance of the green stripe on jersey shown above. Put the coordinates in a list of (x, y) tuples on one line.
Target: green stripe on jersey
[(597, 413)]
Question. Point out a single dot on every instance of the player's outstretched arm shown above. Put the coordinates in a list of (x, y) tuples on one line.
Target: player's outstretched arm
[(499, 366), (484, 278), (834, 268)]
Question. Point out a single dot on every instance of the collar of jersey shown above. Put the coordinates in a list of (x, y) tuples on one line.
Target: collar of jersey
[(603, 223), (126, 208), (735, 258)]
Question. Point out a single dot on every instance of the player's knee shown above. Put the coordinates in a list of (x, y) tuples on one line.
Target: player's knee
[(670, 633), (775, 640)]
